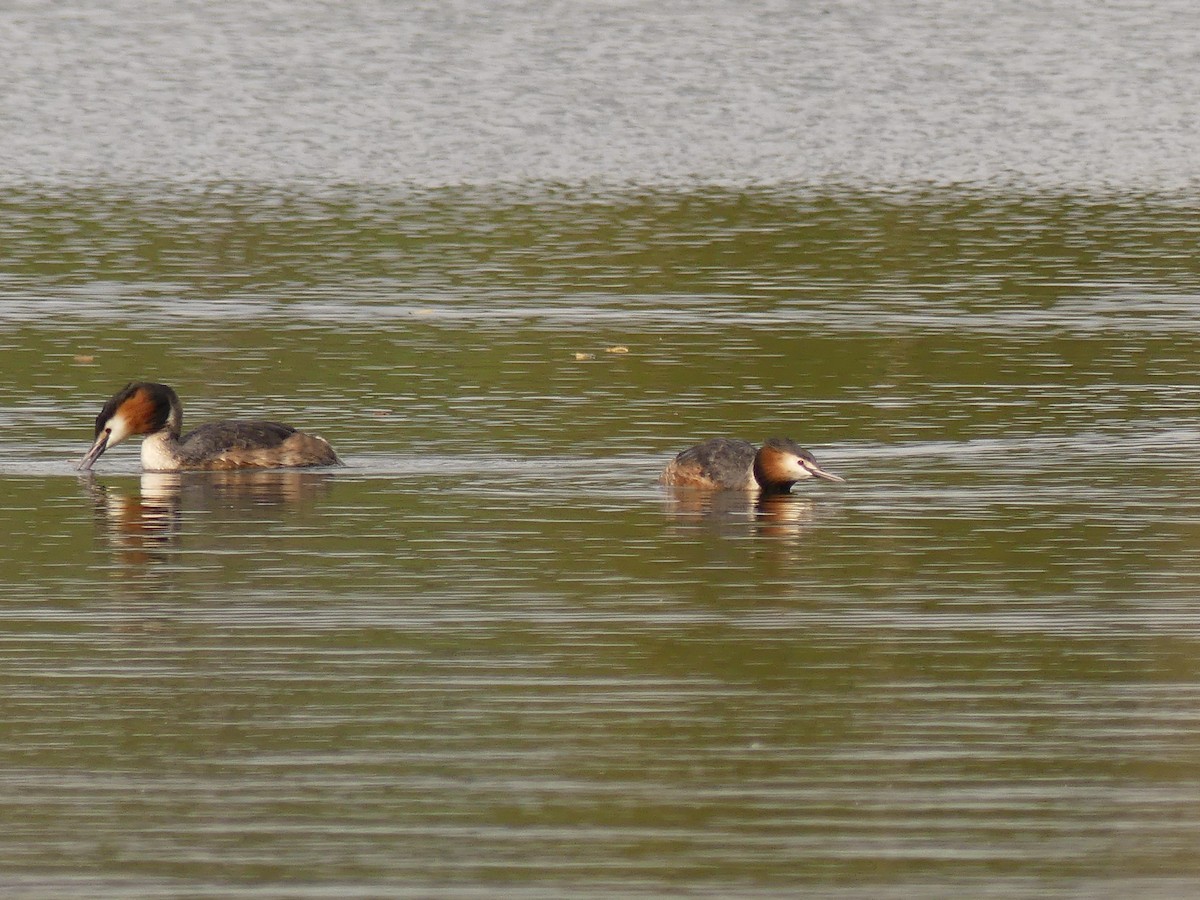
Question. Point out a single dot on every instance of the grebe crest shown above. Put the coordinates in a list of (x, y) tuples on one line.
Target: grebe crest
[(727, 464), (153, 410)]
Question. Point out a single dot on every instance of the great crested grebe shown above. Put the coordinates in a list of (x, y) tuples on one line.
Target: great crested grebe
[(726, 464), (153, 410)]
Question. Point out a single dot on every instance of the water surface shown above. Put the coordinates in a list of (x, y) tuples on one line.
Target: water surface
[(509, 260)]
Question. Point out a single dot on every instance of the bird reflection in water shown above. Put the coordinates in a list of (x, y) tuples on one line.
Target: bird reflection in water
[(733, 512), (144, 528), (141, 528)]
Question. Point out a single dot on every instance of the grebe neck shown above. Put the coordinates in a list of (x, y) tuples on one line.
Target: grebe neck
[(767, 481), (160, 451)]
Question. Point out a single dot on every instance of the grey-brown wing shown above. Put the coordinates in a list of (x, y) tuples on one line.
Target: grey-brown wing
[(241, 435), (719, 458)]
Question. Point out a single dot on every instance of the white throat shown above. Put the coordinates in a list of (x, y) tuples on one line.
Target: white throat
[(160, 452)]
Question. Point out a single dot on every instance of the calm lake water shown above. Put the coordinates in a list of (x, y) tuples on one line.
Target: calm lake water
[(509, 258)]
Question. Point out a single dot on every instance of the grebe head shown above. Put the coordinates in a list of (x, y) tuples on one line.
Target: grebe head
[(141, 407), (782, 462)]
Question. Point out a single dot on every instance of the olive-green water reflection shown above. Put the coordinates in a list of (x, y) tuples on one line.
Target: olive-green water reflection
[(455, 317), (758, 246), (493, 655)]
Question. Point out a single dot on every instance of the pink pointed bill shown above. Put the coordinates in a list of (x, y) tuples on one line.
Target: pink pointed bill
[(818, 472), (94, 454)]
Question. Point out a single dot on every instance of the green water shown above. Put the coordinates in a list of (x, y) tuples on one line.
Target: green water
[(491, 656)]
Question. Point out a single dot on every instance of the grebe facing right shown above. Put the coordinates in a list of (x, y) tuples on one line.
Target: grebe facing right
[(725, 464), (153, 410)]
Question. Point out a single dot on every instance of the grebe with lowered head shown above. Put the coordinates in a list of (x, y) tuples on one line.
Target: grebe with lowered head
[(726, 464), (153, 410)]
